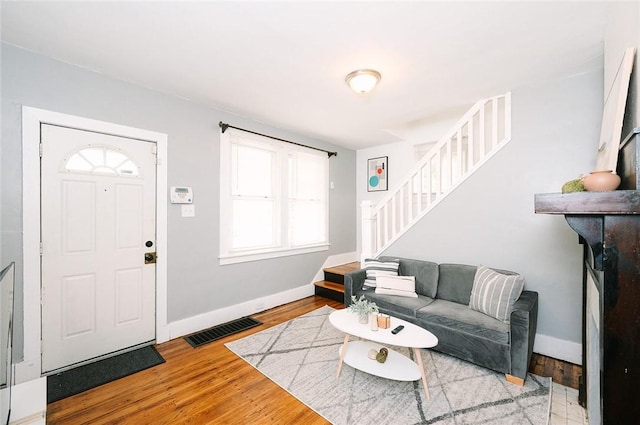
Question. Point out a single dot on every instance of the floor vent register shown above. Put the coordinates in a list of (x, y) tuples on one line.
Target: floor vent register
[(220, 331)]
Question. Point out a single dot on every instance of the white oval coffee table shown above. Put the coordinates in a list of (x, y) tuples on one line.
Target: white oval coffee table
[(398, 366)]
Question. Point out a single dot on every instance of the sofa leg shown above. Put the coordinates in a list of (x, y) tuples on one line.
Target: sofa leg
[(515, 380)]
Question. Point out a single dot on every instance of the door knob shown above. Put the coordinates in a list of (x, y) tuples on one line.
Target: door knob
[(149, 257)]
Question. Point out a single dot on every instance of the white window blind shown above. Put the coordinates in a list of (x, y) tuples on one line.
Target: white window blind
[(273, 198), (307, 199)]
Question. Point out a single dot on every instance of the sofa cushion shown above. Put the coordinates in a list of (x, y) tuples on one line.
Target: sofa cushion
[(495, 293), (377, 268), (455, 282), (457, 316), (425, 272), (402, 286), (398, 305)]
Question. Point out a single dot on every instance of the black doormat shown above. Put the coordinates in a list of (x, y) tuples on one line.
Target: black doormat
[(220, 331), (83, 378)]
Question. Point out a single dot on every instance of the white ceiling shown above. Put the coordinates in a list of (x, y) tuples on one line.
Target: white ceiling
[(284, 63)]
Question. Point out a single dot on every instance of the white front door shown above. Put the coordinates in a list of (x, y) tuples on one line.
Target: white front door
[(98, 223)]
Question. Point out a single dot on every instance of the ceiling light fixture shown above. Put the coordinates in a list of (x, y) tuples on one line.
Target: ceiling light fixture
[(363, 80)]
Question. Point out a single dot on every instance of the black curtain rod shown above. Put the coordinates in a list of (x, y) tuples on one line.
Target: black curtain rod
[(224, 127)]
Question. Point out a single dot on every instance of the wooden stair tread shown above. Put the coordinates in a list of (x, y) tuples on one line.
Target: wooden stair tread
[(333, 285), (344, 268), (330, 285)]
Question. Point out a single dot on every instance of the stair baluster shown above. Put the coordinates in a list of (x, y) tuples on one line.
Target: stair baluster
[(451, 161)]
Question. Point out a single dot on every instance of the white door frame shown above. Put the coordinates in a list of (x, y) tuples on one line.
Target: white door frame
[(31, 367)]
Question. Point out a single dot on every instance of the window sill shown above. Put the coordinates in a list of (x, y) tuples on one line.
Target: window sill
[(264, 255)]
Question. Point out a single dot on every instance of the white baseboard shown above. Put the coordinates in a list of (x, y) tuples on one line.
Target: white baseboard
[(35, 419), (29, 402), (335, 260), (558, 349), (27, 370), (212, 318)]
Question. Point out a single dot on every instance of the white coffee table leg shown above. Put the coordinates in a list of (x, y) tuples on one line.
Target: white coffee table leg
[(421, 367), (342, 353)]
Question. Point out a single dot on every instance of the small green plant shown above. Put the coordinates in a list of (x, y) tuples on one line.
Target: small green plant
[(576, 185), (362, 307)]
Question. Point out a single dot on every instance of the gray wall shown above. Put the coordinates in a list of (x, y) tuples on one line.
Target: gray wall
[(196, 283), (490, 218)]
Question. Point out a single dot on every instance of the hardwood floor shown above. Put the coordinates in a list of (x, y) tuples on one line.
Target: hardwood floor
[(203, 385), (211, 385), (564, 373)]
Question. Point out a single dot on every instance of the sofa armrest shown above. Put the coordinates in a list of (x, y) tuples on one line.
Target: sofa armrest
[(523, 324), (353, 283)]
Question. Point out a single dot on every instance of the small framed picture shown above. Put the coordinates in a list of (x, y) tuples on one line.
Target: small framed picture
[(377, 178)]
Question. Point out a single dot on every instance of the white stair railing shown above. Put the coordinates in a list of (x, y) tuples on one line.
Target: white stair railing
[(475, 138)]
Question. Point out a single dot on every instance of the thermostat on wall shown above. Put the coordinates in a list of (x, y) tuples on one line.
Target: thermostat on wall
[(181, 195)]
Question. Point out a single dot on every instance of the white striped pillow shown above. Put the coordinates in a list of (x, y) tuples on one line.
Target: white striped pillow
[(402, 286), (495, 293), (377, 268)]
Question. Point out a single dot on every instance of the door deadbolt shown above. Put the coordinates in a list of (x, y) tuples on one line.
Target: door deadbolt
[(149, 257)]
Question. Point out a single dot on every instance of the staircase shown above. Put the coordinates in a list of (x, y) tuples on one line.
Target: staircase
[(332, 286), (476, 137)]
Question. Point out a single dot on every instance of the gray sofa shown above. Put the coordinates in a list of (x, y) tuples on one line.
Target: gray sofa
[(442, 307)]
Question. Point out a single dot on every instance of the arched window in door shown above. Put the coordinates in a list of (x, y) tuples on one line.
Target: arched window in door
[(104, 160)]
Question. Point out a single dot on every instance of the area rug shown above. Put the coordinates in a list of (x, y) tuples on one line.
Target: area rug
[(301, 356), (83, 378)]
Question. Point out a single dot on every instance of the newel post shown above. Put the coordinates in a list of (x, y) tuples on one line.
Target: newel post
[(368, 230)]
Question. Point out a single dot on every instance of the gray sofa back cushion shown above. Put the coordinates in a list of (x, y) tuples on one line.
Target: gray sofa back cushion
[(456, 282), (425, 272)]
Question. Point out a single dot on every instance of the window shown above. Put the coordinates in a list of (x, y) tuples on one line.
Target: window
[(103, 160), (273, 198)]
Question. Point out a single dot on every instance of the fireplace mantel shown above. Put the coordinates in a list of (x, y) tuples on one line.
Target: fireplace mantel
[(609, 224), (585, 212), (617, 202)]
